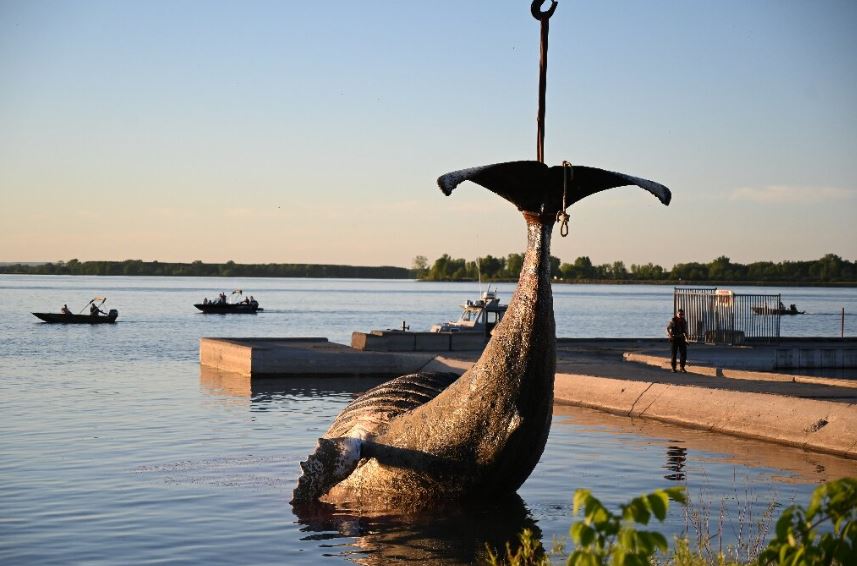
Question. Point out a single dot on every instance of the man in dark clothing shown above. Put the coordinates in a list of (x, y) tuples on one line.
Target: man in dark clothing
[(677, 331)]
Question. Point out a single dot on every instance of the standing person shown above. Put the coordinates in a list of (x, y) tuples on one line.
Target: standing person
[(677, 332)]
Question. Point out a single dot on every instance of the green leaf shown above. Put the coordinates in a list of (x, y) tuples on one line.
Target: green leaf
[(627, 539), (644, 542), (678, 494), (660, 541), (798, 556), (580, 558), (638, 511), (582, 534), (598, 516), (784, 524), (581, 496), (815, 501), (659, 503)]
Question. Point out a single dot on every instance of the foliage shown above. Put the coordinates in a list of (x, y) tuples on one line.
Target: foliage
[(823, 533), (749, 531), (603, 537), (528, 553), (828, 269)]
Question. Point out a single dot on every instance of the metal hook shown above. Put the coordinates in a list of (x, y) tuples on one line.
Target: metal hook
[(536, 6)]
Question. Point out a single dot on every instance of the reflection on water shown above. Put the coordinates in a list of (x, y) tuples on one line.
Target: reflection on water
[(792, 464), (676, 458), (263, 389), (615, 457), (453, 534)]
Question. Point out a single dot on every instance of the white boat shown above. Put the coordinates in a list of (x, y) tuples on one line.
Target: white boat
[(480, 316)]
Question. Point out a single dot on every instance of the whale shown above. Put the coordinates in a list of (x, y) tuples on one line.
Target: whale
[(431, 437)]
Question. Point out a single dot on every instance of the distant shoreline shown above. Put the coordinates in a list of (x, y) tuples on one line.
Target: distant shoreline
[(829, 271), (719, 284)]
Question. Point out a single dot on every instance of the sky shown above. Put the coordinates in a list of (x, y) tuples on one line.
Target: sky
[(314, 132)]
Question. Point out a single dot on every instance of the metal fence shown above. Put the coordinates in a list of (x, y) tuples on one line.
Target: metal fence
[(719, 316)]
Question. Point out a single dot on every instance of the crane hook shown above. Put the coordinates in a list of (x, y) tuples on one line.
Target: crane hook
[(535, 9)]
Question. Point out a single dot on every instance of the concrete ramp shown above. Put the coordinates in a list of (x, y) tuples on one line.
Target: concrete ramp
[(259, 357)]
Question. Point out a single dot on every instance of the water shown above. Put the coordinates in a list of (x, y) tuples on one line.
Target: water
[(116, 447)]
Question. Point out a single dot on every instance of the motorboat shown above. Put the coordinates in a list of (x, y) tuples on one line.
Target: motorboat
[(781, 310), (235, 303), (479, 316), (95, 316)]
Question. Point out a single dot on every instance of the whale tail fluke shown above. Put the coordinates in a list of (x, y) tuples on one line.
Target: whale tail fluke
[(534, 187)]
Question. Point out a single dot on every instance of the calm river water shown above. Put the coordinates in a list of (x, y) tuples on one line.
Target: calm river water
[(117, 448)]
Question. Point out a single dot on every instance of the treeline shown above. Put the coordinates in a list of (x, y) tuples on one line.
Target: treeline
[(829, 269), (200, 269)]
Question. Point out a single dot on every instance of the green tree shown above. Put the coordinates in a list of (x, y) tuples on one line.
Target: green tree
[(647, 272), (690, 271), (492, 267), (420, 266), (514, 264), (828, 268), (446, 268), (583, 268), (721, 269)]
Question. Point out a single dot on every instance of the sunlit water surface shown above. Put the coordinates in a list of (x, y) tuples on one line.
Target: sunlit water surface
[(115, 447)]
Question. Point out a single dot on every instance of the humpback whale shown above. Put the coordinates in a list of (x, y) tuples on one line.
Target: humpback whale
[(428, 437)]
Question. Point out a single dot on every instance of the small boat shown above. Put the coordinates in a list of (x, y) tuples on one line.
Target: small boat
[(781, 310), (480, 316), (95, 316), (234, 304)]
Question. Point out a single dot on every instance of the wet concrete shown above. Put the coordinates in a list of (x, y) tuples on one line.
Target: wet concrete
[(813, 413), (624, 377)]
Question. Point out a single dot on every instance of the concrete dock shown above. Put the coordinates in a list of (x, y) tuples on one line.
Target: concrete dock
[(762, 392)]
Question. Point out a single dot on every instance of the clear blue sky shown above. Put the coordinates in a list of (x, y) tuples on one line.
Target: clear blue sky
[(314, 131)]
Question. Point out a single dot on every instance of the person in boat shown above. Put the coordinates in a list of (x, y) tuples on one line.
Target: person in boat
[(677, 332), (94, 310), (251, 301), (64, 310), (782, 306), (793, 307)]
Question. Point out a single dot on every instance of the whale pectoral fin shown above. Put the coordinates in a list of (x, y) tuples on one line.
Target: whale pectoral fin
[(333, 460)]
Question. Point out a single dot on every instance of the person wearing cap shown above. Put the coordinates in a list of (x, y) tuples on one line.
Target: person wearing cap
[(677, 332)]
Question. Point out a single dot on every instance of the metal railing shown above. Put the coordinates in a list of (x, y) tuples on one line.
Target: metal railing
[(719, 316)]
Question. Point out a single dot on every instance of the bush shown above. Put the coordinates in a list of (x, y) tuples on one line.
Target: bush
[(823, 533)]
